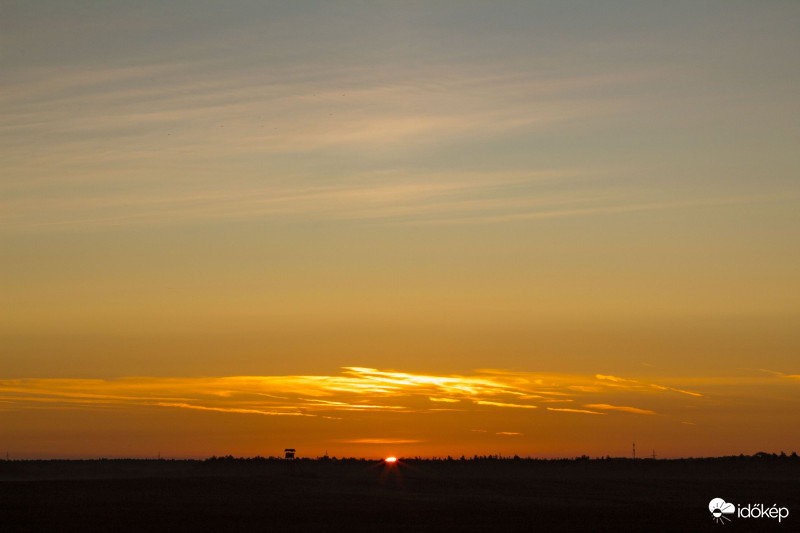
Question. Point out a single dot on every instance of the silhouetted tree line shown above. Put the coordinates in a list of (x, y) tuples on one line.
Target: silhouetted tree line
[(9, 465), (760, 456)]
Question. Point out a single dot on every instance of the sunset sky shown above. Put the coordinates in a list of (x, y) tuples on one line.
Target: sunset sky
[(406, 228)]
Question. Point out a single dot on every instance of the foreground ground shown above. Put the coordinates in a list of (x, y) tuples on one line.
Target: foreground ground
[(354, 495)]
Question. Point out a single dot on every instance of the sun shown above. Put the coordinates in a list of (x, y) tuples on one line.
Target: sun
[(391, 459)]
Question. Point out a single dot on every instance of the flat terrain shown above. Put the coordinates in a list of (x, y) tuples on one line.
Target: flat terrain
[(417, 495)]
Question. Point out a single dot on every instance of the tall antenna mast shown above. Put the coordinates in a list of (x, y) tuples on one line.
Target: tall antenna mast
[(634, 450)]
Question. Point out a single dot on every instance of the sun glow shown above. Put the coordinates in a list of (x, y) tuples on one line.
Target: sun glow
[(485, 409)]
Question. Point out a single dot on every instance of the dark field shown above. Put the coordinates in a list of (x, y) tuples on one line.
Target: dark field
[(417, 495)]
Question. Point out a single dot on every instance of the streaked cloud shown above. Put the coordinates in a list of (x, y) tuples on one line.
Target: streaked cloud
[(87, 149), (453, 385), (661, 387), (231, 410), (501, 404), (614, 206), (355, 389), (615, 379), (565, 410), (343, 406), (400, 407), (626, 409), (781, 374), (381, 441)]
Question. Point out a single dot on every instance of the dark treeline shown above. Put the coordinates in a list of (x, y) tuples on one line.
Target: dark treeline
[(757, 457), (760, 456), (486, 466), (479, 493)]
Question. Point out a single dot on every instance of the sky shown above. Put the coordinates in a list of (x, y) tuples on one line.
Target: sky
[(409, 228)]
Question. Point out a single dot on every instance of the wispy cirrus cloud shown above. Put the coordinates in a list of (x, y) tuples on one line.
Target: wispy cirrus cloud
[(581, 411), (780, 374), (231, 409), (354, 390), (382, 441), (404, 196), (623, 383), (623, 408), (289, 109), (344, 406), (661, 387), (614, 379), (503, 404), (148, 144)]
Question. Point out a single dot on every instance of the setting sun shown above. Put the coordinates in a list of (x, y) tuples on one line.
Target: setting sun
[(391, 459)]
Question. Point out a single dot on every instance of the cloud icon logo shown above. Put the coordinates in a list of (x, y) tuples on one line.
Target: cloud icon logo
[(719, 508)]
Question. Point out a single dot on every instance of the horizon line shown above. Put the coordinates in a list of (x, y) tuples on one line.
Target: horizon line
[(461, 458)]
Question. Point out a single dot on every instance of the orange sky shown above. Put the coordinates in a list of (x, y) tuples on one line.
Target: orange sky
[(212, 216), (374, 413)]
